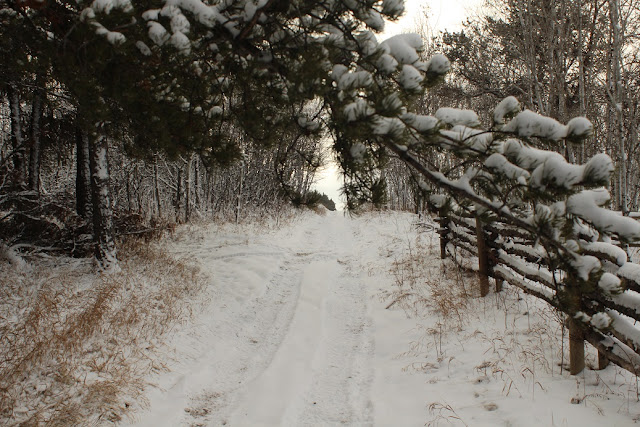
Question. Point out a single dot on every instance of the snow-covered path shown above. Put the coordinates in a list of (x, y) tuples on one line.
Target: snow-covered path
[(295, 333), (320, 363), (288, 340)]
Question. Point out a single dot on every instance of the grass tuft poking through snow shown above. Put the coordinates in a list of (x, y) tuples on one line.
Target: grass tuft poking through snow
[(77, 348)]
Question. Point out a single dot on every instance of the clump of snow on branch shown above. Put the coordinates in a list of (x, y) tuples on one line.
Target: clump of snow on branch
[(393, 7), (500, 164), (355, 80), (600, 321), (473, 139), (106, 6), (143, 48), (357, 110), (551, 168), (387, 63), (438, 64), (438, 200), (338, 71), (610, 284), (630, 271), (420, 123), (309, 124), (610, 250), (558, 172), (587, 205), (181, 42), (455, 116), (251, 7), (391, 126), (157, 33), (506, 107), (585, 265), (579, 128), (410, 78), (529, 124), (403, 48)]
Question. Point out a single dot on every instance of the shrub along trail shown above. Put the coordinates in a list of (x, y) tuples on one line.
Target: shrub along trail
[(296, 333)]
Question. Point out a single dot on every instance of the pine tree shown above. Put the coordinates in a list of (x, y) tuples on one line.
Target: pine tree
[(189, 77)]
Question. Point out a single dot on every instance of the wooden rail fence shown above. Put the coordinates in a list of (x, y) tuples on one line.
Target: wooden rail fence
[(507, 254)]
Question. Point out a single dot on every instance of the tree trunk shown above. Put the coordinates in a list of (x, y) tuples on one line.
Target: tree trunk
[(156, 185), (576, 331), (178, 200), (83, 174), (616, 49), (483, 259), (17, 140), (239, 195), (103, 235), (196, 184), (576, 347), (581, 79), (187, 191), (34, 154)]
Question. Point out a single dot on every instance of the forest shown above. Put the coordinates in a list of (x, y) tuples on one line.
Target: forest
[(182, 137)]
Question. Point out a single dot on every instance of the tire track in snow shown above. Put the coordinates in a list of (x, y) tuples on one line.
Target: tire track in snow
[(322, 372), (260, 329), (294, 350), (342, 370)]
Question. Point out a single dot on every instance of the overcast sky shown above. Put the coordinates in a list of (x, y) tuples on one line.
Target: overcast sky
[(442, 14)]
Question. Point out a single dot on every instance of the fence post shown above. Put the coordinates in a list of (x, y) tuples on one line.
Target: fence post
[(444, 232), (603, 360), (576, 347), (483, 259), (576, 334), (493, 257)]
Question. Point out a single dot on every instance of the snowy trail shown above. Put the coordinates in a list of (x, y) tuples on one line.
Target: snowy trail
[(295, 333), (291, 342), (324, 348)]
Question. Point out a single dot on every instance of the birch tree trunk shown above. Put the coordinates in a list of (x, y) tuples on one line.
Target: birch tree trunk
[(187, 189), (616, 53), (582, 98), (196, 184), (103, 234)]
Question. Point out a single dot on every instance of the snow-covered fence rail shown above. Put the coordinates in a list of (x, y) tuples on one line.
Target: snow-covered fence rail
[(605, 313)]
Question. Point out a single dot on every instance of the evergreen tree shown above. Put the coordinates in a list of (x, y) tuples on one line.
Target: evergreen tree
[(327, 202), (184, 76)]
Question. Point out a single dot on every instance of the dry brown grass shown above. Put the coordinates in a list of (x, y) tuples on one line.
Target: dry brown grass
[(422, 287), (75, 348)]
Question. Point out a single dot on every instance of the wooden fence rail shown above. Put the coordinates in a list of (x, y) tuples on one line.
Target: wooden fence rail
[(508, 254)]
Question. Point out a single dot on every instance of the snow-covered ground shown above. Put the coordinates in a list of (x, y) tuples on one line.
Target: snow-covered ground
[(297, 332)]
